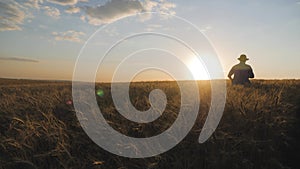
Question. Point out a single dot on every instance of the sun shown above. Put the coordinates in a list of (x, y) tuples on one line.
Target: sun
[(197, 69)]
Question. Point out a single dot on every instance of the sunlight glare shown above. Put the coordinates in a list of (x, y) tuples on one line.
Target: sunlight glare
[(198, 69)]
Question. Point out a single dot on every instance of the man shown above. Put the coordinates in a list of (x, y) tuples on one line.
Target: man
[(242, 72)]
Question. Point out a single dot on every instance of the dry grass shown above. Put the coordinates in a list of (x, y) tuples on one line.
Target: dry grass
[(259, 128)]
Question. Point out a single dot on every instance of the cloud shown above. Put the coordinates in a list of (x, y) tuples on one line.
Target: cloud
[(206, 29), (11, 16), (72, 9), (112, 31), (149, 5), (82, 17), (19, 59), (64, 2), (112, 11), (163, 6), (115, 9), (153, 27), (51, 11), (33, 3), (70, 35)]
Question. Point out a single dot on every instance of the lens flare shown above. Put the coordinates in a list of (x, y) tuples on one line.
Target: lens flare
[(100, 92), (69, 102)]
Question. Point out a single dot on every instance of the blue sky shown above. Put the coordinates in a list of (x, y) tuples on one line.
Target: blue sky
[(41, 39)]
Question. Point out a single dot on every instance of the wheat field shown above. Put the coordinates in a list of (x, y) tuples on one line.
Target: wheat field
[(260, 127)]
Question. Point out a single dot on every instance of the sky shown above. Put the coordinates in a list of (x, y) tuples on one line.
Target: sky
[(45, 39)]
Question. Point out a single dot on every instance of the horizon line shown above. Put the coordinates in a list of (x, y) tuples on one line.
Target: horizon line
[(138, 81)]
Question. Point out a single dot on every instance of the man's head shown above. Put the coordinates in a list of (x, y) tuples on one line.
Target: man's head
[(243, 58)]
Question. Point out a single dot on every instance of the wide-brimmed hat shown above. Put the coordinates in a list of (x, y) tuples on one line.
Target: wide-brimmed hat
[(243, 58)]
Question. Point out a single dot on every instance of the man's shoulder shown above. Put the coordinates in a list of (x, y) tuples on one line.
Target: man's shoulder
[(235, 66), (241, 66), (247, 65)]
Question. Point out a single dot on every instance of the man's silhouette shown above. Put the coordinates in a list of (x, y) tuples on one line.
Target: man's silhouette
[(242, 72)]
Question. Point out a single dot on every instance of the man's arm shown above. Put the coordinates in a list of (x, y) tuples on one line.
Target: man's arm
[(251, 74), (231, 72)]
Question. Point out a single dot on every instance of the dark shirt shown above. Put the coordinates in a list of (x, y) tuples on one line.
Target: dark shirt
[(242, 72)]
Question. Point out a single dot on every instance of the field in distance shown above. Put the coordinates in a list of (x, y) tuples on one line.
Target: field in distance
[(260, 127)]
